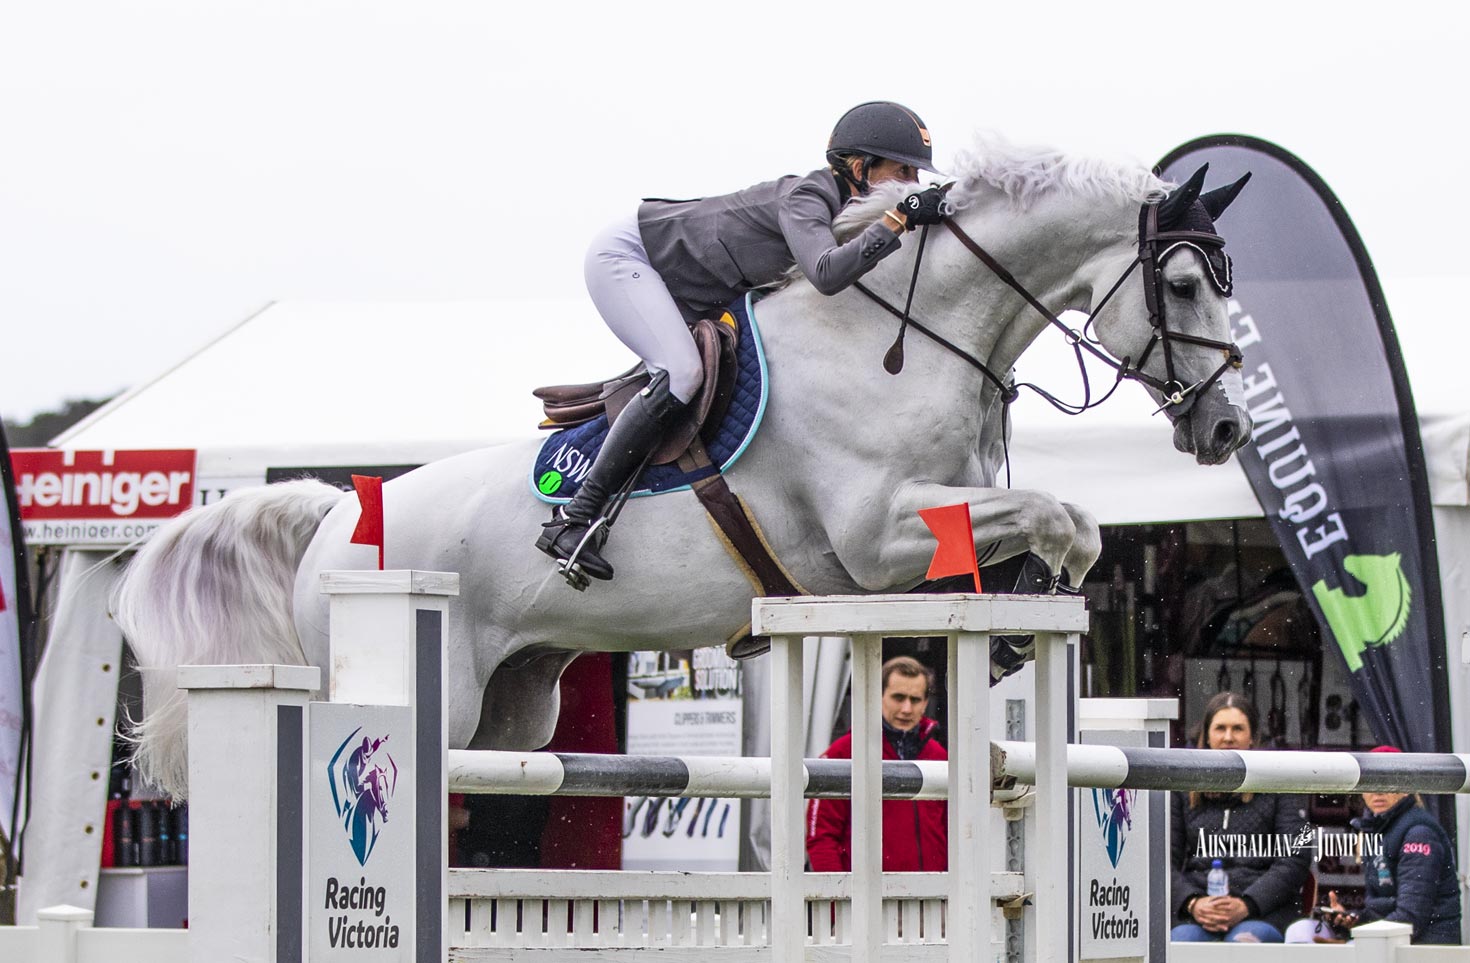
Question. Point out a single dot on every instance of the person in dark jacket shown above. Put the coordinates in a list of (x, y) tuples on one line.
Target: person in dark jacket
[(678, 261), (1413, 878), (915, 833), (1249, 833)]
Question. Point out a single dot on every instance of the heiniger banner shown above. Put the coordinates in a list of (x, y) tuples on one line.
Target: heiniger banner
[(100, 497), (1335, 456)]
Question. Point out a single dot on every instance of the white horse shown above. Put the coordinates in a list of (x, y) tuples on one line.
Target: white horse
[(845, 458)]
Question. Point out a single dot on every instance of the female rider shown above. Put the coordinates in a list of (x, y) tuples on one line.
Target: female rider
[(678, 261)]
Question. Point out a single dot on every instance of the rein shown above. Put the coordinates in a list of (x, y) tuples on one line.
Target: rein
[(1149, 240)]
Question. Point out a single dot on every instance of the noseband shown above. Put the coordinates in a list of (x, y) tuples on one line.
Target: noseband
[(1154, 247)]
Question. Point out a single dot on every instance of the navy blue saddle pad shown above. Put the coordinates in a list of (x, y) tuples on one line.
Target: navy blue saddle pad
[(567, 455)]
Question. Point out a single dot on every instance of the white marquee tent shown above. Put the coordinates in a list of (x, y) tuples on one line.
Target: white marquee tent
[(303, 384)]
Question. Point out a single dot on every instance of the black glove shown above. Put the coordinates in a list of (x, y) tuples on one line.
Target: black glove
[(924, 207)]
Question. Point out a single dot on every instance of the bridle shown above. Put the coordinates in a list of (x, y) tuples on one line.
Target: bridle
[(1154, 247), (1150, 241)]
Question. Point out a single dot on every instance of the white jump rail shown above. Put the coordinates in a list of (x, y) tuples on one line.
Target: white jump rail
[(1088, 766), (504, 773), (515, 914), (64, 934)]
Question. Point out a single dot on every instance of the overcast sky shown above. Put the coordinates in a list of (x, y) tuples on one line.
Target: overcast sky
[(169, 167)]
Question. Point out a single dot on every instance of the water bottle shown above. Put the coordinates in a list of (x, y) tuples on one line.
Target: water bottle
[(1218, 882)]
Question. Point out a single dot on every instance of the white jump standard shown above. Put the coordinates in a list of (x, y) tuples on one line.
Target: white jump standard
[(967, 622)]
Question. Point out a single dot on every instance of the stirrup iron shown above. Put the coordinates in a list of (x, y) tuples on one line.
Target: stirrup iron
[(568, 566)]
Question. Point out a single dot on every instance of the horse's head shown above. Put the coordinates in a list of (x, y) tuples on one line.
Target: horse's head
[(1173, 329), (1074, 232)]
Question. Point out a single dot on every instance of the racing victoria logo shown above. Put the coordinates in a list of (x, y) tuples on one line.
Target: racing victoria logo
[(1114, 811), (362, 786), (1372, 617)]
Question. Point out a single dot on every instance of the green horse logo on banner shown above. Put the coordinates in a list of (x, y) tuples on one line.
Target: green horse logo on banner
[(1374, 618)]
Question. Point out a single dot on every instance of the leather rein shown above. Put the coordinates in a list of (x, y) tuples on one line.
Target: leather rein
[(1149, 258)]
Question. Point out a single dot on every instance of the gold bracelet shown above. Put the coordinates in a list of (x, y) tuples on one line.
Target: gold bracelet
[(893, 216)]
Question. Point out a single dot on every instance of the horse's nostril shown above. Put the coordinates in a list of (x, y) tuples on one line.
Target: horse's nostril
[(1225, 436)]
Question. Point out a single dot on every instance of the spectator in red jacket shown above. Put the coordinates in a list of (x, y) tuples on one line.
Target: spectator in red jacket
[(915, 834)]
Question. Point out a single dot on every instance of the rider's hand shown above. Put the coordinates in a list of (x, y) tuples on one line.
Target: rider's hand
[(924, 207)]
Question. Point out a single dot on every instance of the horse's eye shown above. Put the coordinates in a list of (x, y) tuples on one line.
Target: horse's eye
[(1183, 290)]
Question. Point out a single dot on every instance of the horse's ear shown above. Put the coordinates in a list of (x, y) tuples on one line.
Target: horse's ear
[(1217, 200), (1182, 197)]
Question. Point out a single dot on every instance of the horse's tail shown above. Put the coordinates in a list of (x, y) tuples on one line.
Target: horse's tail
[(213, 587)]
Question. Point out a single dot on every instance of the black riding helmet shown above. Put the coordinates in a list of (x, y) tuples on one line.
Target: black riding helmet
[(881, 128)]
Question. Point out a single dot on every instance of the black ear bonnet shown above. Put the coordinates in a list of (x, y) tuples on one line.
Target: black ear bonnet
[(1188, 210)]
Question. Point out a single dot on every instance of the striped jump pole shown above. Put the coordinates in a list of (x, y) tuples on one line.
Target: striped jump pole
[(1248, 770), (1088, 766), (715, 777)]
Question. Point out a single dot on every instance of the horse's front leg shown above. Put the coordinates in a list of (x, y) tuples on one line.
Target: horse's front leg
[(898, 550), (1086, 546)]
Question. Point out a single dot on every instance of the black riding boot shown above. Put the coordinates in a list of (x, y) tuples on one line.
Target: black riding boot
[(634, 436), (1008, 653)]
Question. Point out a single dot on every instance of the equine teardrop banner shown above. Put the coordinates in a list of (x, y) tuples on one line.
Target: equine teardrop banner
[(1335, 457)]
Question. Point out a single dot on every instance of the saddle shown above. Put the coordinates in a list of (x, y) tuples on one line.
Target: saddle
[(567, 406), (686, 459)]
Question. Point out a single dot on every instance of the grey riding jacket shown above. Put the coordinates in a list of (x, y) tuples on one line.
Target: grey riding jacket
[(713, 249)]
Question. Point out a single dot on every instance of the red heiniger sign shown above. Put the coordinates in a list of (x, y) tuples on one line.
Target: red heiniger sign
[(99, 497)]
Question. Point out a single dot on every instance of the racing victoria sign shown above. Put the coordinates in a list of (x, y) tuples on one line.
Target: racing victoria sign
[(100, 497), (360, 842)]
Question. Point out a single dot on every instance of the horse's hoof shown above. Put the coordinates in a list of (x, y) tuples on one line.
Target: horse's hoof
[(1008, 653), (748, 647)]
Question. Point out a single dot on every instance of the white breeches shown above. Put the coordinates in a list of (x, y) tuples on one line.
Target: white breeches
[(633, 300)]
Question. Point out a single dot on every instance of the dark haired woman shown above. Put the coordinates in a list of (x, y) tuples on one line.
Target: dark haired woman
[(1264, 891)]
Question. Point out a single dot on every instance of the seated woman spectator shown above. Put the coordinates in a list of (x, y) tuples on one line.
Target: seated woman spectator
[(1412, 879), (1264, 891)]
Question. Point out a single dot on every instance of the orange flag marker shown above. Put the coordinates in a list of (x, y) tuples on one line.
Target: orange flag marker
[(369, 530), (955, 554)]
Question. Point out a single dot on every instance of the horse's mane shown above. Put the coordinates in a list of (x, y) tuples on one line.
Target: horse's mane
[(1024, 174)]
